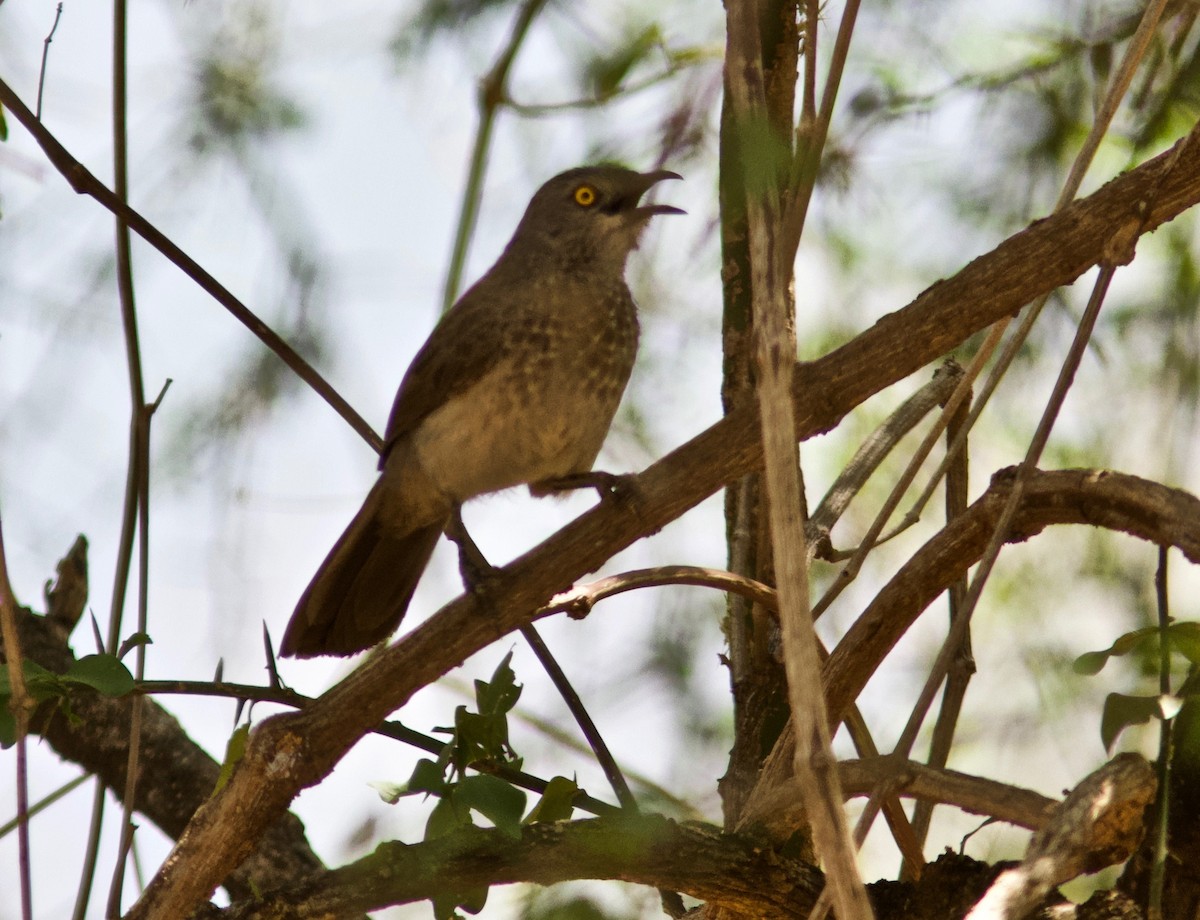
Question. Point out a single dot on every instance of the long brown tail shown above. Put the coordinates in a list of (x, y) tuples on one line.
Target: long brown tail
[(360, 593)]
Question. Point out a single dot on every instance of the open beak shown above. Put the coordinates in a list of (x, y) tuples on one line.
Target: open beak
[(645, 182)]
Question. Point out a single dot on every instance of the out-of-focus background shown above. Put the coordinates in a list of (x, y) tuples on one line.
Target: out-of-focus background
[(313, 157)]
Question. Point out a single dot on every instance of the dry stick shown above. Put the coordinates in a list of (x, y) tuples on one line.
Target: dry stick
[(871, 537), (20, 705), (1104, 117), (958, 629), (671, 901), (608, 763), (811, 139), (86, 184), (907, 841), (1079, 167), (132, 770), (137, 477), (783, 809), (878, 445), (45, 59), (964, 663), (808, 107), (774, 351)]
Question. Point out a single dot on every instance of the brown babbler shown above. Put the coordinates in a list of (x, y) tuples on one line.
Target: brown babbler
[(518, 384)]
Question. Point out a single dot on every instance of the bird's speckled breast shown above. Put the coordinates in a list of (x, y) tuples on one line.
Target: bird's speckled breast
[(545, 413)]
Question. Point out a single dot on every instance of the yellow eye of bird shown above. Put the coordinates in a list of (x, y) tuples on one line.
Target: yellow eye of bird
[(585, 196)]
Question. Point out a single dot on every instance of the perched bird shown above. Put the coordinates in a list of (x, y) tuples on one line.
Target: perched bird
[(518, 384)]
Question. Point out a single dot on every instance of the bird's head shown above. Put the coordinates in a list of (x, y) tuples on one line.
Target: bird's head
[(591, 216)]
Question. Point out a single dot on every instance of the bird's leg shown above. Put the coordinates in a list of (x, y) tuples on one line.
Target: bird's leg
[(472, 565), (607, 485)]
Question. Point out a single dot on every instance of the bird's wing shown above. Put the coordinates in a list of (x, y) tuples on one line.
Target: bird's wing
[(463, 347)]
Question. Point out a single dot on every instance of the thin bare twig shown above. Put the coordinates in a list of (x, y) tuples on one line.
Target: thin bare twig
[(493, 90), (21, 705), (811, 145), (45, 59), (132, 772), (87, 184), (871, 539), (964, 663), (608, 763), (958, 629)]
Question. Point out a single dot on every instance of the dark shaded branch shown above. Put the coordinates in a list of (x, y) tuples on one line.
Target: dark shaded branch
[(735, 872)]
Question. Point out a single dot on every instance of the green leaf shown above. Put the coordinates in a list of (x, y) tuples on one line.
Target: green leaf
[(1185, 639), (1092, 662), (103, 673), (500, 694), (606, 73), (498, 801), (445, 818), (1121, 711), (427, 776), (37, 678), (472, 900), (235, 749), (8, 724), (480, 738), (556, 803)]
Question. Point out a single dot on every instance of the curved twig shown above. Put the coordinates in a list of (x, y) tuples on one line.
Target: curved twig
[(1101, 498)]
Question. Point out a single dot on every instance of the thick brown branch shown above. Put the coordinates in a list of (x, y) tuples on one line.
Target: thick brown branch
[(290, 752), (724, 869)]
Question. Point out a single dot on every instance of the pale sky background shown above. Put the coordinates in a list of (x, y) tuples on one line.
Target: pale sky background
[(374, 181)]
